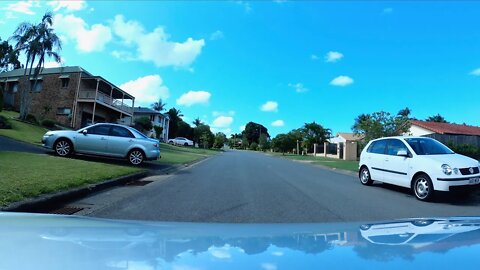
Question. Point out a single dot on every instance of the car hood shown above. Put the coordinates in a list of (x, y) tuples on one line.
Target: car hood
[(454, 160), (35, 241)]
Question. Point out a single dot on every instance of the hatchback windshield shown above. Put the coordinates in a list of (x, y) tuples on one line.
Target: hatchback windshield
[(428, 147)]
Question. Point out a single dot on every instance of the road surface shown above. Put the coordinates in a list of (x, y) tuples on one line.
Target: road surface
[(249, 187)]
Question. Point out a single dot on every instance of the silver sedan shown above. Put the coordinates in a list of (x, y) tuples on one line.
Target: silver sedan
[(104, 139)]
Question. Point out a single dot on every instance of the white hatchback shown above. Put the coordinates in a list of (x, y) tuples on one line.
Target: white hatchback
[(420, 163)]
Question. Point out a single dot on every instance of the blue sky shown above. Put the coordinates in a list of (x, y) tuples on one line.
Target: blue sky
[(279, 63)]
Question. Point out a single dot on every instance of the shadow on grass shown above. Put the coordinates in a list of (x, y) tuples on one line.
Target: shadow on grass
[(470, 197)]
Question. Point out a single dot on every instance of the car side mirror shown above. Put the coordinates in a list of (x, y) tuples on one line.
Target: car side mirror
[(402, 153), (84, 132)]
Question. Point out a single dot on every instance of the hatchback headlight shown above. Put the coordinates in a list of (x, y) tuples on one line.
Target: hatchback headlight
[(447, 169)]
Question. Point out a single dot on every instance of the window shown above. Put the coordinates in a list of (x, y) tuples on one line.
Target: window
[(427, 146), (64, 111), (393, 146), (36, 87), (65, 82), (14, 87), (121, 132), (99, 130), (378, 147), (152, 118)]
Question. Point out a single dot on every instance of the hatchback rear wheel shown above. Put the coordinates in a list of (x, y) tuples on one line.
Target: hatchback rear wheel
[(364, 176)]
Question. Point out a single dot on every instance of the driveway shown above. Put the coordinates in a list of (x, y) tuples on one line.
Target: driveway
[(7, 144), (241, 186)]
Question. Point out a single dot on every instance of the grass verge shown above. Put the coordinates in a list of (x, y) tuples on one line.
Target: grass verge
[(22, 131), (182, 155), (25, 175), (349, 165)]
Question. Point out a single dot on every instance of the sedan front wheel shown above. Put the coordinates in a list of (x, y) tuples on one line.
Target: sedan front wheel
[(63, 147)]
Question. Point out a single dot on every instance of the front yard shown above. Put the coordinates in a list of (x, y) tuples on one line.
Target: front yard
[(182, 155), (24, 175), (22, 131), (328, 162)]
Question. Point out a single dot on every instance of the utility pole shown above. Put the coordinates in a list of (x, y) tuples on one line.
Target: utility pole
[(298, 148)]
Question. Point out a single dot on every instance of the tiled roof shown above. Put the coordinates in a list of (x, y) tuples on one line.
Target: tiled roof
[(143, 110), (19, 72), (349, 136), (446, 128)]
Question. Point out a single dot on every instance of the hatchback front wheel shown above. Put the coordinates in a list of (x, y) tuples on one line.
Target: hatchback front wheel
[(423, 187)]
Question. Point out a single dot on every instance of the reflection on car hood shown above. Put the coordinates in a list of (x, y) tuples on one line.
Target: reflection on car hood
[(34, 241), (454, 160)]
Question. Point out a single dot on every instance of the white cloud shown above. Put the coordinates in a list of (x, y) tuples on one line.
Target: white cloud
[(241, 128), (475, 72), (245, 5), (341, 81), (194, 97), (72, 5), (269, 106), (123, 55), (147, 90), (299, 88), (278, 123), (222, 122), (24, 7), (89, 39), (269, 266), (155, 46), (314, 57), (217, 113), (333, 56), (277, 253), (388, 10), (53, 64), (216, 35)]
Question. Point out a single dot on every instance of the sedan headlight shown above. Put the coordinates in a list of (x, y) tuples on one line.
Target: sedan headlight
[(48, 134), (447, 169)]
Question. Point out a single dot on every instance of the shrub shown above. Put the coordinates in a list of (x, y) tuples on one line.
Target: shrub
[(253, 146), (32, 119), (143, 123), (466, 150), (158, 131), (4, 124), (48, 123)]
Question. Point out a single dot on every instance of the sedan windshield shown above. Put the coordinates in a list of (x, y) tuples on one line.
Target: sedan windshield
[(426, 146)]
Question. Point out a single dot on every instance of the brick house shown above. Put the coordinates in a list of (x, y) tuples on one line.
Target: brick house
[(157, 118), (70, 96)]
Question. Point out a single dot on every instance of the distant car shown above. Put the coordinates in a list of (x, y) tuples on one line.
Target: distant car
[(110, 140), (181, 141), (420, 163)]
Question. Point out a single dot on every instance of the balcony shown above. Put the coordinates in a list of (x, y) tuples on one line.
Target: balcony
[(102, 98)]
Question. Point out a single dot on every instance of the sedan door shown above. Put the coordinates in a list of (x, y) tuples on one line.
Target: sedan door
[(376, 159), (94, 141), (397, 167), (119, 141)]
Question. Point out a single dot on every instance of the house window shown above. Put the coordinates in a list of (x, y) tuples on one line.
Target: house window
[(65, 82), (64, 111), (36, 87), (14, 87), (152, 118)]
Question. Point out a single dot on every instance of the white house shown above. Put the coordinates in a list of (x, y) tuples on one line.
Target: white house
[(157, 118)]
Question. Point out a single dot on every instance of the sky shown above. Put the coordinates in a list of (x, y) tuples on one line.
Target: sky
[(278, 63)]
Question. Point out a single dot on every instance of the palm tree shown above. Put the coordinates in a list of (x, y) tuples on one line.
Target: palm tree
[(37, 42), (159, 105), (197, 122), (175, 117)]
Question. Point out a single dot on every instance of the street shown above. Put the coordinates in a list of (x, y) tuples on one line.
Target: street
[(249, 187)]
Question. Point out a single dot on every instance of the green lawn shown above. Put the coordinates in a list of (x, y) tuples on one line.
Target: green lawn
[(22, 131), (182, 155), (25, 175), (329, 162)]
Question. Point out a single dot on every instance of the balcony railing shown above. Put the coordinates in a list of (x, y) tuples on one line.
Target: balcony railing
[(106, 99)]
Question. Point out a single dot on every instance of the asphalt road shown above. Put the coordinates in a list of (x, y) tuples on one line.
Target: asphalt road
[(7, 144), (240, 187)]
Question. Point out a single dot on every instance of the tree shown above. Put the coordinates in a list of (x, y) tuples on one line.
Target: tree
[(220, 140), (158, 131), (436, 118), (184, 130), (175, 117), (245, 143), (314, 133), (263, 142), (159, 105), (197, 122), (143, 124), (203, 136), (8, 57), (37, 42), (381, 124), (253, 130), (284, 142)]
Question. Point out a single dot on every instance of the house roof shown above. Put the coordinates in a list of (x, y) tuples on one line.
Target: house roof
[(144, 110), (447, 128), (19, 72), (349, 136)]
